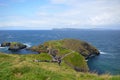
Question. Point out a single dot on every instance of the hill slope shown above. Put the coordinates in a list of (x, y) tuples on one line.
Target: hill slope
[(22, 67)]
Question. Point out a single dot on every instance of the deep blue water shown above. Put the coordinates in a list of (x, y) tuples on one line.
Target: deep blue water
[(108, 42)]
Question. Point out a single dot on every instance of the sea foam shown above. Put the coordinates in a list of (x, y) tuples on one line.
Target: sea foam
[(28, 44), (103, 53)]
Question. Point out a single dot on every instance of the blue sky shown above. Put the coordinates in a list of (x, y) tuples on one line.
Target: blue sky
[(48, 14)]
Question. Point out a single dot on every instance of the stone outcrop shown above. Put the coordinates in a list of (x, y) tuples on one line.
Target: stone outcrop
[(13, 46), (72, 51), (5, 44), (82, 47)]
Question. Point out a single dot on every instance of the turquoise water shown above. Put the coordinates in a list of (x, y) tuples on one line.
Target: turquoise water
[(108, 42)]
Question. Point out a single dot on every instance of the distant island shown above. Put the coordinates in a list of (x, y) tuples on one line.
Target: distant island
[(79, 29)]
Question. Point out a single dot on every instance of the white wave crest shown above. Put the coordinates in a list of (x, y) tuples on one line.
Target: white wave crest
[(2, 47), (10, 36), (103, 53), (28, 44)]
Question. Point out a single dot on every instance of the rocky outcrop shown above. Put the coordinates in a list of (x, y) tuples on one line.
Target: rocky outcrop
[(72, 51), (40, 49), (13, 46), (82, 47), (5, 44)]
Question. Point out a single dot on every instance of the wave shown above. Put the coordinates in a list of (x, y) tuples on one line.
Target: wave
[(103, 53), (28, 44), (2, 47), (10, 36)]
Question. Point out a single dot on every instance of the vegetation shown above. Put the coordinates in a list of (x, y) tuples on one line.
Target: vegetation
[(42, 67), (76, 61), (21, 67), (79, 46), (70, 50)]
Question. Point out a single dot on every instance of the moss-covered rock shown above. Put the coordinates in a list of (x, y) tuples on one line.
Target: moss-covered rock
[(5, 44), (16, 46), (13, 46), (40, 49)]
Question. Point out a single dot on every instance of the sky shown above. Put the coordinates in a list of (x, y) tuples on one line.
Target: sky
[(49, 14)]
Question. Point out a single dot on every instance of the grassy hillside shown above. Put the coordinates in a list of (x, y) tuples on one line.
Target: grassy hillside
[(22, 67), (71, 57)]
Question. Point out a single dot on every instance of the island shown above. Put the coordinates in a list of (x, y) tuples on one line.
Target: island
[(13, 46), (73, 52)]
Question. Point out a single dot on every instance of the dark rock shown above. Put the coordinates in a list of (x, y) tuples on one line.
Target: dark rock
[(14, 46), (39, 49), (5, 44)]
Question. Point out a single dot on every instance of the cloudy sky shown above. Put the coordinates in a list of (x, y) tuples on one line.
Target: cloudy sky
[(48, 14)]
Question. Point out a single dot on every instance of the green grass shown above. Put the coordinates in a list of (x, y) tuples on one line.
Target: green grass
[(21, 67), (79, 46), (41, 56), (76, 61)]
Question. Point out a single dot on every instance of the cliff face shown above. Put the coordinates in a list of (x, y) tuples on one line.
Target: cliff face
[(73, 52), (81, 47)]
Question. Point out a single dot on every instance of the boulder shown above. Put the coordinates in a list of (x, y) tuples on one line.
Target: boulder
[(16, 46), (5, 44), (13, 46)]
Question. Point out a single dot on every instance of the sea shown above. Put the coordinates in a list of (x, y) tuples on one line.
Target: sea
[(106, 41)]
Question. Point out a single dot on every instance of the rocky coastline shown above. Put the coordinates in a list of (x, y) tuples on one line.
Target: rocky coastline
[(73, 52)]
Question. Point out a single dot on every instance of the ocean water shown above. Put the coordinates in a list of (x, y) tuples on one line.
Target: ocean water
[(107, 41)]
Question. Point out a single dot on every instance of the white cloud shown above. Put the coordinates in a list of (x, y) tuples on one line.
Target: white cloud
[(72, 13), (58, 1), (104, 19)]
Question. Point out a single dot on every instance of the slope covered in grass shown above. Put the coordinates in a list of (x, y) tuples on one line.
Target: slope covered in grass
[(69, 56), (22, 67)]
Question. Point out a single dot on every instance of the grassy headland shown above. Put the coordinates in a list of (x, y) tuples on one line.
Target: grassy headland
[(73, 66), (22, 67)]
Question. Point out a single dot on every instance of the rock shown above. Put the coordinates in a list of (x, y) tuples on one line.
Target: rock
[(13, 46), (39, 49), (5, 44)]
